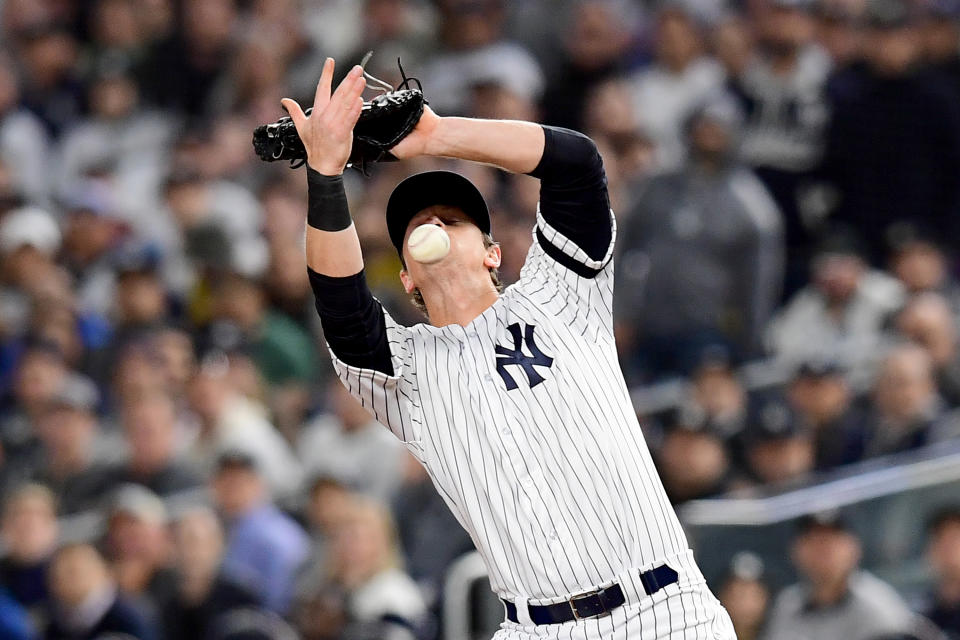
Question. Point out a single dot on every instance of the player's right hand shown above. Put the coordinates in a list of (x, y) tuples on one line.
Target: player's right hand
[(327, 134)]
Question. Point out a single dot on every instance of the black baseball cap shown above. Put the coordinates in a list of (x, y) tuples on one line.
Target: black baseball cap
[(428, 189)]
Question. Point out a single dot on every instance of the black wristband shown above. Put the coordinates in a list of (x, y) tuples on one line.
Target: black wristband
[(327, 208)]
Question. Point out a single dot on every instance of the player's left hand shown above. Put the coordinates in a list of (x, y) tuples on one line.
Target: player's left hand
[(417, 142)]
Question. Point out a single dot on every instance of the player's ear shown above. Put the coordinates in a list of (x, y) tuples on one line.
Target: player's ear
[(407, 281), (493, 257)]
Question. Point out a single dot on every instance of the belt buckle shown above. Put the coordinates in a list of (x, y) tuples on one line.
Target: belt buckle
[(588, 594)]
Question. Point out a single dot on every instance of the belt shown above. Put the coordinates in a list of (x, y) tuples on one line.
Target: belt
[(593, 603)]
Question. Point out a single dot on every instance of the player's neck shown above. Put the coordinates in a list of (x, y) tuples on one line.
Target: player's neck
[(457, 299)]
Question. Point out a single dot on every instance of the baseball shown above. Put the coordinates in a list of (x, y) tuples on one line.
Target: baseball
[(428, 243)]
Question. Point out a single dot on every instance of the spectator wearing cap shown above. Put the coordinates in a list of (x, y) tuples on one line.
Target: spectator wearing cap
[(693, 459), (229, 420), (928, 321), (68, 429), (666, 93), (137, 549), (701, 254), (778, 448), (29, 530), (943, 556), (841, 313), (823, 400), (150, 430), (29, 242), (204, 592), (782, 91), (85, 603), (24, 143), (893, 147), (745, 595), (264, 545), (834, 599), (906, 410), (350, 446)]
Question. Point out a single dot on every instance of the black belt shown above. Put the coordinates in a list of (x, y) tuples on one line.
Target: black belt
[(593, 603)]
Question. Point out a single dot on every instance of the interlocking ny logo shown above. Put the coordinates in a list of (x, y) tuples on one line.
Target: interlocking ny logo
[(516, 356)]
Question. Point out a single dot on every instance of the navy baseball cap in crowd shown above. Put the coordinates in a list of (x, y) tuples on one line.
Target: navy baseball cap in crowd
[(429, 189)]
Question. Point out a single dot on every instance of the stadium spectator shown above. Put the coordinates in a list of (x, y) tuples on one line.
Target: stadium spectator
[(150, 430), (778, 448), (667, 93), (30, 531), (596, 39), (921, 262), (48, 54), (939, 33), (228, 420), (693, 460), (85, 604), (427, 531), (348, 445), (701, 254), (264, 545), (835, 599), (182, 72), (29, 242), (67, 429), (137, 548), (24, 148), (907, 412), (39, 374), (782, 91), (943, 554), (824, 401), (328, 503), (204, 592), (928, 321), (382, 600), (840, 314), (893, 148), (745, 595), (474, 50)]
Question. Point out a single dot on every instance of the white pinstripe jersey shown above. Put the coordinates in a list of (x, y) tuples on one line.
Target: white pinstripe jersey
[(537, 451)]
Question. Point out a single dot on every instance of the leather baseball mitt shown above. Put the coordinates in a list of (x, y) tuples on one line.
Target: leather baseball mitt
[(384, 121)]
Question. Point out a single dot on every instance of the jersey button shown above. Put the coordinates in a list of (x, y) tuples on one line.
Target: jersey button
[(488, 378)]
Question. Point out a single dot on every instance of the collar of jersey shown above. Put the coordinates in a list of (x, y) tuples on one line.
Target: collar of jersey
[(477, 325)]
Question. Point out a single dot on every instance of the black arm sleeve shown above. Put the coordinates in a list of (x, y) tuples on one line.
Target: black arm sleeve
[(573, 195), (353, 321)]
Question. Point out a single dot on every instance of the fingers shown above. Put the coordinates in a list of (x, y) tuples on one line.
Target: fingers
[(296, 113), (322, 96), (351, 87)]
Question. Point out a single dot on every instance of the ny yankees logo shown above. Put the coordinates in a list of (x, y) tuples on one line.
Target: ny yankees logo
[(516, 356)]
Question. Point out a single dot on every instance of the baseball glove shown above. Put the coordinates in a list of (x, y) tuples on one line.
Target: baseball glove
[(384, 121)]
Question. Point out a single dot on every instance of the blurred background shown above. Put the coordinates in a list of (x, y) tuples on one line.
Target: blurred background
[(176, 459)]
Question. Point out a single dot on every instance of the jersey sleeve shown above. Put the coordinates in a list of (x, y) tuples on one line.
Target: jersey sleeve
[(562, 277), (391, 398)]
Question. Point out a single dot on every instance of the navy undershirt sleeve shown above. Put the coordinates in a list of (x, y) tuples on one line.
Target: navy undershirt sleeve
[(573, 195), (352, 319)]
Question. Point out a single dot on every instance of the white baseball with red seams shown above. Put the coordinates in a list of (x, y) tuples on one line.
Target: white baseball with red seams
[(428, 243)]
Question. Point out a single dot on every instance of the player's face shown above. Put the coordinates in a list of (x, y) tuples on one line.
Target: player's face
[(467, 255)]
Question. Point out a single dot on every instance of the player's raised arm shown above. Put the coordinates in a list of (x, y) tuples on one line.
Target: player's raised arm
[(333, 248), (573, 192), (353, 321)]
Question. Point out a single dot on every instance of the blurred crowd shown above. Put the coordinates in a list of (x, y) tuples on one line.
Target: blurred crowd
[(785, 176)]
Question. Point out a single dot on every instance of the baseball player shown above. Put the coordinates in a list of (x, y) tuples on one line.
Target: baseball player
[(514, 400)]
